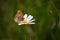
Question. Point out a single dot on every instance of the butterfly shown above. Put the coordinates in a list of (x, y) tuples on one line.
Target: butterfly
[(19, 16)]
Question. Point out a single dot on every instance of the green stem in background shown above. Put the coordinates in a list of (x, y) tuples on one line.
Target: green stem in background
[(56, 16), (30, 33)]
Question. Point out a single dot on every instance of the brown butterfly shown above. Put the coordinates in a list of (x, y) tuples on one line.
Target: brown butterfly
[(19, 16)]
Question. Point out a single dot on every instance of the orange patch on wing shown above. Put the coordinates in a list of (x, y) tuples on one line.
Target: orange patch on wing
[(19, 13)]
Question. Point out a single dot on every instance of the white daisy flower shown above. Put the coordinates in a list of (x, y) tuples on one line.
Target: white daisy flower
[(27, 20)]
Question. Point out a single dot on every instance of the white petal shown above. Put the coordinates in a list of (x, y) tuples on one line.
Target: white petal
[(32, 23), (29, 17), (19, 24), (32, 20), (25, 16)]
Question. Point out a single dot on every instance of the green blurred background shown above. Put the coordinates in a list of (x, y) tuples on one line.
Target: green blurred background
[(46, 13)]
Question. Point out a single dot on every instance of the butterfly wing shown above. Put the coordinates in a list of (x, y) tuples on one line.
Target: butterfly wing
[(19, 16)]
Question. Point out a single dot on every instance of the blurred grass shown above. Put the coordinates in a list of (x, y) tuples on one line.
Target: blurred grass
[(46, 13)]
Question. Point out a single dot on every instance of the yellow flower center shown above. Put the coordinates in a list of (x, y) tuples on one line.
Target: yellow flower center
[(25, 22)]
